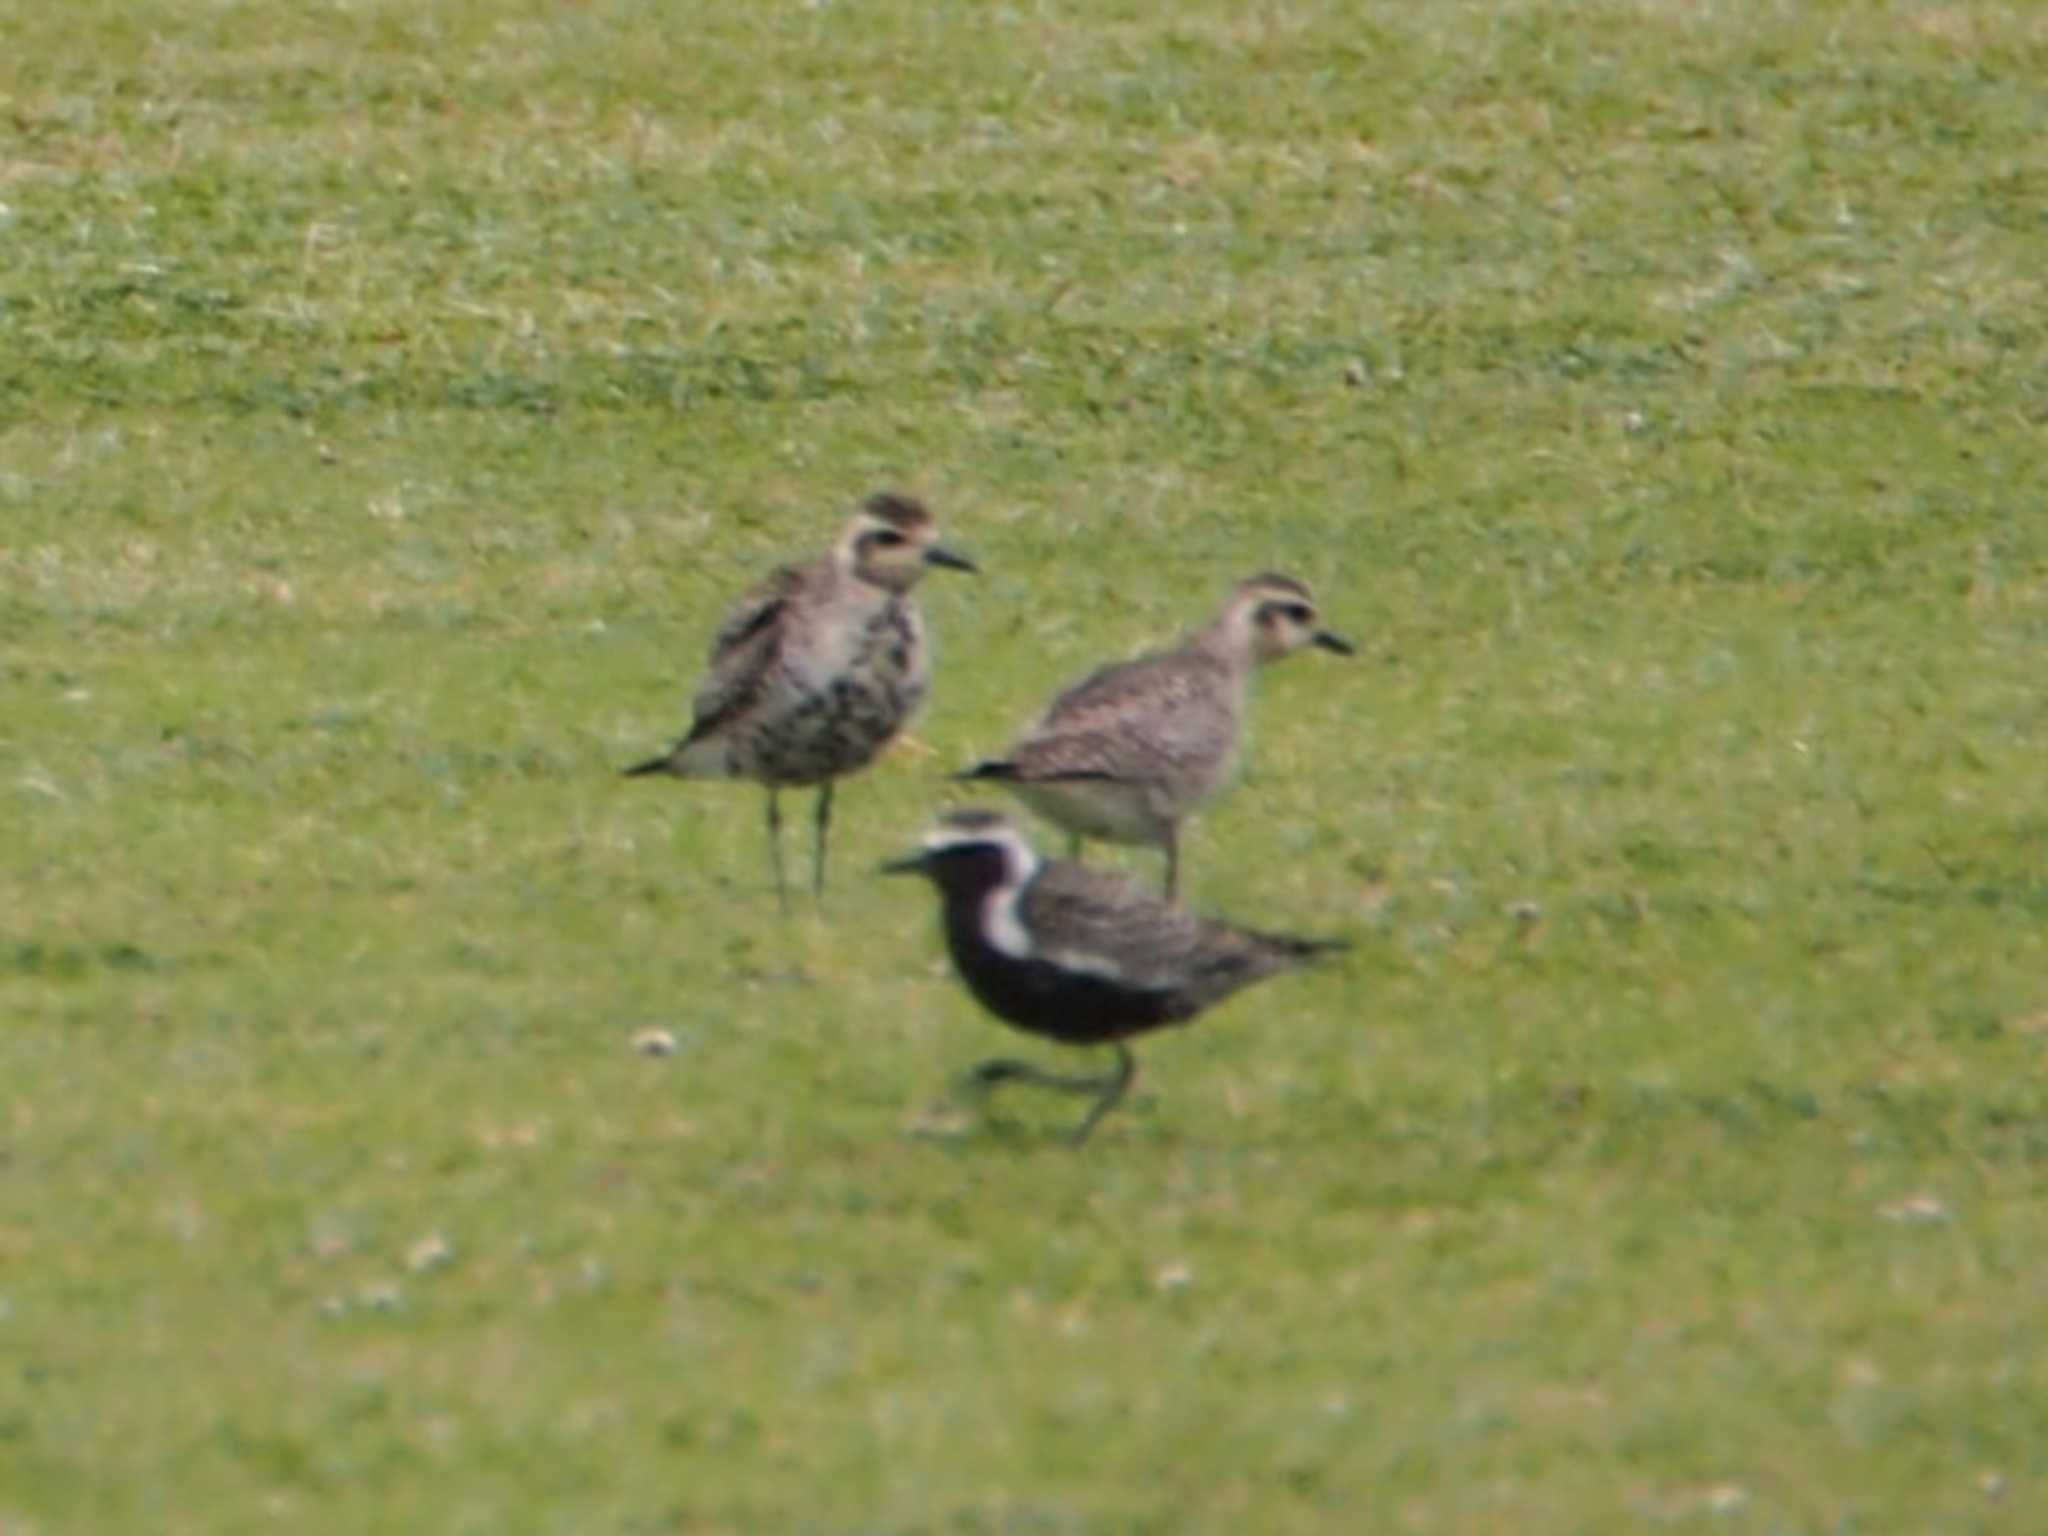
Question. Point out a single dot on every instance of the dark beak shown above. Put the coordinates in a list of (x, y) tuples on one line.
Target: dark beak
[(938, 554), (910, 864), (1329, 640)]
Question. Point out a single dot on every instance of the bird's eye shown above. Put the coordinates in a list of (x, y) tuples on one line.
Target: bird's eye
[(1301, 613), (888, 538)]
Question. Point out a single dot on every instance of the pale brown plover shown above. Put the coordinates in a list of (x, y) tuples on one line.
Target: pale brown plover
[(1132, 749), (813, 672), (1079, 955)]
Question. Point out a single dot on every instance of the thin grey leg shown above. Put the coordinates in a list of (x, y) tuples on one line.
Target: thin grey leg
[(818, 848), (1118, 1084), (1109, 1088), (775, 851), (1173, 863)]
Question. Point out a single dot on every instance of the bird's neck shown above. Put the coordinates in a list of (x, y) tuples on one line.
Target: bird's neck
[(1228, 641), (983, 915), (849, 592)]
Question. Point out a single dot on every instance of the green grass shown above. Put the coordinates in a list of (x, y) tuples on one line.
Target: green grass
[(392, 394)]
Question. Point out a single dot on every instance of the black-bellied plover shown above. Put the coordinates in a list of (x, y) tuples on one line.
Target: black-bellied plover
[(1079, 955), (1132, 749), (814, 671)]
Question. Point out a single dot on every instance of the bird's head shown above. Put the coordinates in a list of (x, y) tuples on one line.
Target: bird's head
[(970, 850), (1272, 616), (891, 540)]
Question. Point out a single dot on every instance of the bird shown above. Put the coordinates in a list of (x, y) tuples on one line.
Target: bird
[(1079, 954), (1131, 750), (816, 670)]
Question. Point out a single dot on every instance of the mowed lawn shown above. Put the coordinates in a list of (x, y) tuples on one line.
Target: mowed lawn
[(393, 394)]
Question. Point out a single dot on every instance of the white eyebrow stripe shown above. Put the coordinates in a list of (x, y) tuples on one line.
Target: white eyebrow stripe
[(939, 839), (1020, 863)]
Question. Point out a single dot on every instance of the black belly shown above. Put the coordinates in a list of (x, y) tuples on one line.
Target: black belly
[(1068, 1006)]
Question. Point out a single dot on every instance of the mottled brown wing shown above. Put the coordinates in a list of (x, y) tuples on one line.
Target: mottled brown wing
[(743, 651), (1133, 721), (1106, 923), (1114, 688)]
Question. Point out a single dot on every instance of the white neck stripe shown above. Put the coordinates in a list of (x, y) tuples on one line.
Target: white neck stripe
[(1003, 926)]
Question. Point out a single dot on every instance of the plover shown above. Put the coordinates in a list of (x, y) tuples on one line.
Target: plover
[(814, 671), (1132, 749), (1080, 955)]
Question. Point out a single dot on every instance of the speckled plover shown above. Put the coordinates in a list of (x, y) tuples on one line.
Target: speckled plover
[(1079, 955), (1132, 749), (814, 671)]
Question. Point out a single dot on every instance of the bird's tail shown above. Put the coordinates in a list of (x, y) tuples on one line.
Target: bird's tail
[(652, 765), (1304, 949), (1003, 771)]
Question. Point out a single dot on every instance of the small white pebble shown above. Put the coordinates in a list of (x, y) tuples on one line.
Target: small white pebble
[(1173, 1277), (1356, 373), (1991, 1484), (1726, 1498), (939, 1122), (1634, 421), (1915, 1208), (379, 1296), (654, 1042), (430, 1252)]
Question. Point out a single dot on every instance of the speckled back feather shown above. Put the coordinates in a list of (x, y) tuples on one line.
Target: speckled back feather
[(1105, 924)]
